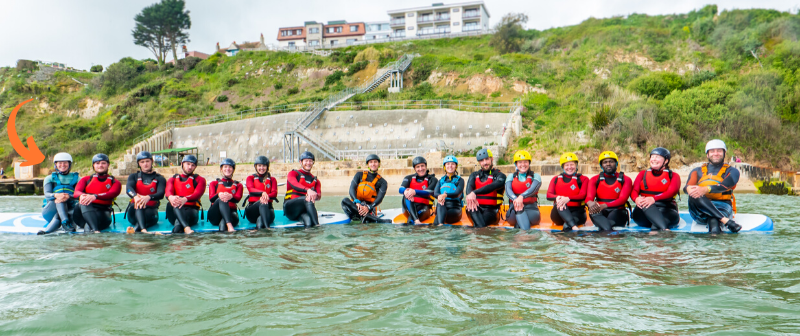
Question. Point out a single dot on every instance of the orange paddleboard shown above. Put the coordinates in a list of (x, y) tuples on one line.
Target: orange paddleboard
[(544, 210)]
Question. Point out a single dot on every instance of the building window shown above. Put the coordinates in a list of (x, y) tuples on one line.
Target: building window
[(291, 44), (385, 26), (334, 30), (313, 30), (351, 41), (334, 42), (314, 43), (283, 33), (298, 32), (353, 29)]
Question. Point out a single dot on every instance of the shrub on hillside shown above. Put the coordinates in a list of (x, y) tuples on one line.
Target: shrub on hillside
[(656, 84), (289, 67), (478, 57), (356, 67), (96, 68), (278, 86), (421, 73), (293, 90), (369, 54), (334, 77), (222, 98), (624, 73), (539, 102), (524, 141), (119, 76), (508, 33), (209, 65), (189, 63), (603, 117)]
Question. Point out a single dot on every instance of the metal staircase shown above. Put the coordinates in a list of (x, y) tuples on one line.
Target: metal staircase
[(292, 139)]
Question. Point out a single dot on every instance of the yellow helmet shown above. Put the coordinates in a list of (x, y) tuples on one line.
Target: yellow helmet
[(607, 155), (522, 155), (567, 157)]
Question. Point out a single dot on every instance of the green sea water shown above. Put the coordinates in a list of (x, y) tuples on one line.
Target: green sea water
[(377, 279)]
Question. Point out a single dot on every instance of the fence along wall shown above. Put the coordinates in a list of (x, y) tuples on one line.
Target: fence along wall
[(362, 131)]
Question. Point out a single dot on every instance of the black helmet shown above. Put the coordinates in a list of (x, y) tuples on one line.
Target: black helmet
[(143, 155), (661, 151), (417, 160), (307, 155), (483, 154), (189, 158), (373, 157), (100, 157), (261, 160), (229, 162)]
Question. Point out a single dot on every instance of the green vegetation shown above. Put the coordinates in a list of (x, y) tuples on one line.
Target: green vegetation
[(624, 83)]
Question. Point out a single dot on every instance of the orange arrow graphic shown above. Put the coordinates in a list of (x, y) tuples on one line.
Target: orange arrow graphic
[(33, 155)]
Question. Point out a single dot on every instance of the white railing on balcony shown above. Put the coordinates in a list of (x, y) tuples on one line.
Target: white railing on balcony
[(434, 31), (428, 18), (469, 14), (398, 22), (442, 17), (471, 28)]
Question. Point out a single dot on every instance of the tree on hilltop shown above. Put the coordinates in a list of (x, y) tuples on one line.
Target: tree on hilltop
[(176, 23), (508, 33), (162, 26)]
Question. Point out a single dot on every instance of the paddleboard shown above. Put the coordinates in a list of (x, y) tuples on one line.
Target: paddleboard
[(31, 223), (749, 222)]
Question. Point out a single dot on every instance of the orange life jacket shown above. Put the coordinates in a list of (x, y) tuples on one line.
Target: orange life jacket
[(367, 191), (711, 180)]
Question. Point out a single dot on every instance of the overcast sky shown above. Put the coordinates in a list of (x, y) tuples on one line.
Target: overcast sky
[(85, 32)]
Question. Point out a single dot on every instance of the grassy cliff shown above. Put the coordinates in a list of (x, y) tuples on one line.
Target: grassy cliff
[(624, 83)]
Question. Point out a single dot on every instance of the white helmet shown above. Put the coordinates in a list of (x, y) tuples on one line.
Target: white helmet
[(62, 157), (714, 144)]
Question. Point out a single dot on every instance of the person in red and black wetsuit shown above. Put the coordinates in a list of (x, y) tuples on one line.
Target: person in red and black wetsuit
[(608, 194), (654, 192), (183, 193), (145, 188), (224, 194), (485, 189), (302, 190), (568, 192), (263, 190), (417, 190), (96, 194)]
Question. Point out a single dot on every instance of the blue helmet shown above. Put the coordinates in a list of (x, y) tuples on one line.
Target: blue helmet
[(143, 155), (229, 162), (189, 158), (100, 157), (450, 158)]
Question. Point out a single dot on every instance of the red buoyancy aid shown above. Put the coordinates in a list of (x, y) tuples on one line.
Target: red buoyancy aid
[(221, 188), (291, 193), (146, 190), (654, 185), (519, 187), (492, 198), (417, 185), (96, 187), (569, 189), (266, 186), (607, 193), (185, 188)]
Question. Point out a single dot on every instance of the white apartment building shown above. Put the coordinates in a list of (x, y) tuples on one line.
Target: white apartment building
[(439, 18), (377, 30)]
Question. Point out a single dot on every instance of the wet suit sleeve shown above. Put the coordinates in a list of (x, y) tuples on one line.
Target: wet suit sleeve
[(292, 179), (694, 177), (728, 183), (471, 183), (212, 191), (273, 191), (592, 192), (116, 189), (623, 195), (81, 186), (674, 189), (354, 185), (425, 192), (48, 188), (437, 191), (551, 190), (199, 190), (130, 187), (497, 184), (637, 184), (509, 191), (162, 184), (431, 186), (382, 188), (170, 189)]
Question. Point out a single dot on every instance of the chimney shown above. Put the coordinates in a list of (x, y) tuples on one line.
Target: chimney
[(217, 46), (262, 39)]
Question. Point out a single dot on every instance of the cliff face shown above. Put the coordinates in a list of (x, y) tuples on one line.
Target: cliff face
[(626, 84)]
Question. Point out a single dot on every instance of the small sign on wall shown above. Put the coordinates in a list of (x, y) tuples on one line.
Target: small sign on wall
[(223, 154)]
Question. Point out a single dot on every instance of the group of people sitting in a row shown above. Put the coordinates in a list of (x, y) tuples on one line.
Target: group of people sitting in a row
[(71, 201)]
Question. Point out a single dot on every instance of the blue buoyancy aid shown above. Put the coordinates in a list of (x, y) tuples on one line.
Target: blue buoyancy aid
[(69, 188), (447, 187)]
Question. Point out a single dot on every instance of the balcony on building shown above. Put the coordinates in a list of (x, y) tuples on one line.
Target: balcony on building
[(399, 34), (471, 13), (472, 27), (433, 31), (398, 22)]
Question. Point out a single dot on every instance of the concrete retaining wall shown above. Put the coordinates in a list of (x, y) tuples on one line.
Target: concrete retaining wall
[(243, 140)]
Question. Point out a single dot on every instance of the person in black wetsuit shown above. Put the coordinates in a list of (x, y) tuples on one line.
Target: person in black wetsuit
[(568, 193), (710, 189), (366, 193), (302, 190), (417, 190), (224, 194), (485, 189), (183, 193), (263, 190), (146, 189), (522, 190), (449, 194), (654, 192), (96, 195)]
